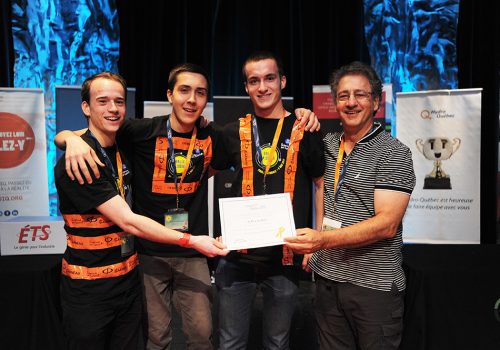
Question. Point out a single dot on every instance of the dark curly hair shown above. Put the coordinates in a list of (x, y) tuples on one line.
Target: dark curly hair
[(357, 68)]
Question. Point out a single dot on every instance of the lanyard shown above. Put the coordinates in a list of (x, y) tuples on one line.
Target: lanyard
[(119, 180), (118, 177), (172, 157), (276, 137), (339, 175)]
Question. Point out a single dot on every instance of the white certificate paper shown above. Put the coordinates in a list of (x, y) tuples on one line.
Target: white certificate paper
[(259, 221)]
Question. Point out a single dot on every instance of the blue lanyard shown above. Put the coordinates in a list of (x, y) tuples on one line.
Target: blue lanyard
[(172, 152), (172, 156), (118, 177), (255, 132)]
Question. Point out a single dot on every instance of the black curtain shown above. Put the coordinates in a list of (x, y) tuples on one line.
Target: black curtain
[(478, 55), (311, 38)]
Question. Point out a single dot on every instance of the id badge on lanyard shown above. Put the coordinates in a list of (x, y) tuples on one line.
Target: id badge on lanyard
[(177, 219), (330, 224), (127, 244)]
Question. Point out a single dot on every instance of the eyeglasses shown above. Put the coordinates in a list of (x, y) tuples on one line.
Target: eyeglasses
[(359, 95)]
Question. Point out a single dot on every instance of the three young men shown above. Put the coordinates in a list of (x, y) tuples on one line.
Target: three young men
[(170, 156)]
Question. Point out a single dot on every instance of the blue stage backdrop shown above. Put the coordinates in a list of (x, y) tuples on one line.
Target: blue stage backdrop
[(59, 42), (412, 43)]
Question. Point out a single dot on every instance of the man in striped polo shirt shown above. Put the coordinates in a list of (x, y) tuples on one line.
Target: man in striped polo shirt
[(357, 257)]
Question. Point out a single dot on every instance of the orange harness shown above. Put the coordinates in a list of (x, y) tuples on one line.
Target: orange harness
[(98, 242), (94, 273), (290, 166), (158, 184), (87, 221), (93, 243)]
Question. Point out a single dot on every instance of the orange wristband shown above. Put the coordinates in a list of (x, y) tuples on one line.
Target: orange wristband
[(184, 240)]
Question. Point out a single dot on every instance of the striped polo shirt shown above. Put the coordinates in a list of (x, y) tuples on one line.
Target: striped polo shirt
[(377, 162)]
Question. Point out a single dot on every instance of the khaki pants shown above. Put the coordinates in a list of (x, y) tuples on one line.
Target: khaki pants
[(185, 282)]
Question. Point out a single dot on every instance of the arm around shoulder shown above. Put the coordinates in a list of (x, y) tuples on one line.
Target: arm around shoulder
[(79, 156), (62, 136)]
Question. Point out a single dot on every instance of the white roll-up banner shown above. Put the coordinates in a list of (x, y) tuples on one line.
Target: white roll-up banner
[(23, 155), (443, 130)]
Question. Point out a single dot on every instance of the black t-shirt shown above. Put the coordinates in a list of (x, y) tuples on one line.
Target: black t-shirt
[(310, 165), (83, 199), (145, 142)]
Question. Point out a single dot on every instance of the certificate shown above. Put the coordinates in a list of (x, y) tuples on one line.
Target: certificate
[(258, 221)]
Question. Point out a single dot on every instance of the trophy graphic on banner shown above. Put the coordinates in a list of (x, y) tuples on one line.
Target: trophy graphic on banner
[(437, 149)]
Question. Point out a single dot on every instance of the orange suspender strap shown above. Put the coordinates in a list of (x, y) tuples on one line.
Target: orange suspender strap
[(247, 163), (290, 172), (161, 162), (98, 242), (93, 273), (291, 159), (87, 221), (246, 155), (290, 166)]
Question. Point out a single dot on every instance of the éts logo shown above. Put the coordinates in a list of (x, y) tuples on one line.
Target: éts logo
[(28, 232)]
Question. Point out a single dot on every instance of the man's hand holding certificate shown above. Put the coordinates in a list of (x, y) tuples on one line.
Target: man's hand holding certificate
[(259, 221)]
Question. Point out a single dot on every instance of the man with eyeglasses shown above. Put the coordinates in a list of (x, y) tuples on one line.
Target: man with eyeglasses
[(357, 257)]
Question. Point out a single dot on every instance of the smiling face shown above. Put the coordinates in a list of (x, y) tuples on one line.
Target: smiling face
[(188, 98), (356, 105), (105, 109), (263, 85)]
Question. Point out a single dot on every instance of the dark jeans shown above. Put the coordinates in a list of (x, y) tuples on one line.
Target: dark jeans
[(353, 317), (237, 285)]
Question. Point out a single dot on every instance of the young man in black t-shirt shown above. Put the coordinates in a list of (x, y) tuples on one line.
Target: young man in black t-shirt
[(171, 156), (296, 162)]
